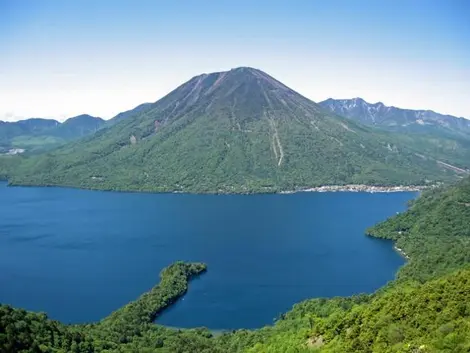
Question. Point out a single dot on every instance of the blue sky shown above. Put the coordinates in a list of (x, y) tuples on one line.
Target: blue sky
[(63, 58)]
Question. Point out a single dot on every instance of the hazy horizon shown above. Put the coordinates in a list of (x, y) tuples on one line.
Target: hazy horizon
[(62, 59)]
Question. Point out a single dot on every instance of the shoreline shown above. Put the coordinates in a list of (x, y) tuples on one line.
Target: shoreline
[(324, 188), (360, 188)]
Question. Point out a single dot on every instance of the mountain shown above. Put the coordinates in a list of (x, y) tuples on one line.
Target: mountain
[(234, 131), (446, 137), (9, 130), (378, 114), (79, 126), (32, 135), (129, 113)]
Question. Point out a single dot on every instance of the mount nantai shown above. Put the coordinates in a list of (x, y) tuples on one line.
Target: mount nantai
[(234, 131)]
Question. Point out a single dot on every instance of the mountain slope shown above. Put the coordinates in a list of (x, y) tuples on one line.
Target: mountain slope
[(129, 113), (398, 119), (36, 134), (445, 137), (10, 130), (78, 126), (234, 131)]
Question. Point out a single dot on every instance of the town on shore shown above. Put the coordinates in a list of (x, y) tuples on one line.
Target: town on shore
[(361, 188)]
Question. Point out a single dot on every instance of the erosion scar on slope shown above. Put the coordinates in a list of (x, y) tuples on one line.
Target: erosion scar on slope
[(273, 145), (276, 143), (276, 140)]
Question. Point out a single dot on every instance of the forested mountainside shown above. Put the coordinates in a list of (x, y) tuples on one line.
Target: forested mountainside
[(427, 309), (434, 232), (36, 135), (445, 137), (8, 163), (235, 131)]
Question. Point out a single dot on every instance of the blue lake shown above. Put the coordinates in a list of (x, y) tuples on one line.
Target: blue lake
[(78, 255)]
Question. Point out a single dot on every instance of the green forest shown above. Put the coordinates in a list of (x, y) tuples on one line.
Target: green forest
[(425, 310)]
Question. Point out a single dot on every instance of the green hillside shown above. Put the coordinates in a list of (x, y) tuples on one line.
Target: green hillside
[(39, 135), (13, 132), (78, 126), (427, 310), (445, 137), (435, 232), (7, 165), (234, 131)]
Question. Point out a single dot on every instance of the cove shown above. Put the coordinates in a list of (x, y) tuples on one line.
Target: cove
[(78, 254)]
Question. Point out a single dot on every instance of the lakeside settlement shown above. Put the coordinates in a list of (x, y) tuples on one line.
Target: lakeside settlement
[(360, 188)]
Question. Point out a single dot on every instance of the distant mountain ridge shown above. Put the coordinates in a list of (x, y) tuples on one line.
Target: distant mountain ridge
[(37, 134), (26, 126), (79, 126), (395, 118), (233, 131)]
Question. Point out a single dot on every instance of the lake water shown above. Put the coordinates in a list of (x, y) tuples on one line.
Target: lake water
[(78, 255)]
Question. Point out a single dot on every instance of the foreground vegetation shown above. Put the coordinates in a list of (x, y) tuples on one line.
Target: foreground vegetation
[(426, 310), (132, 325)]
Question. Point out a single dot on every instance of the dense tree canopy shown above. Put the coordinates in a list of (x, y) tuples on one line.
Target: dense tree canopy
[(434, 232)]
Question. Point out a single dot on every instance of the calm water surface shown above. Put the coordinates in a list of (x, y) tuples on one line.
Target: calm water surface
[(78, 255)]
